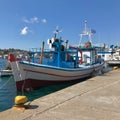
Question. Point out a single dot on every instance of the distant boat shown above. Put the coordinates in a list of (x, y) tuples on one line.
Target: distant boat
[(59, 64), (111, 56), (114, 58), (114, 62), (5, 73)]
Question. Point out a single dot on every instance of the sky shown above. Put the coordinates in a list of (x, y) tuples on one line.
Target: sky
[(26, 24)]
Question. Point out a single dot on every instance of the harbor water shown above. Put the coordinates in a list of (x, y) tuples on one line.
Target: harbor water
[(7, 88), (7, 92)]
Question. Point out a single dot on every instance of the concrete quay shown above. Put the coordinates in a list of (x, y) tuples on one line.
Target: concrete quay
[(97, 98)]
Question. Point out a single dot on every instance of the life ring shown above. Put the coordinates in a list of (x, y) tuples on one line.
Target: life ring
[(88, 44)]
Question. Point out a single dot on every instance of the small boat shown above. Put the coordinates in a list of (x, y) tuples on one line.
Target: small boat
[(59, 64), (114, 58), (114, 62), (5, 73)]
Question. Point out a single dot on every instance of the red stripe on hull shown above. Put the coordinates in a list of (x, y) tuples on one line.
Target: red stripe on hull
[(51, 74)]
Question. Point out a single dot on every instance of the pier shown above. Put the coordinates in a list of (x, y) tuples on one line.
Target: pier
[(97, 98)]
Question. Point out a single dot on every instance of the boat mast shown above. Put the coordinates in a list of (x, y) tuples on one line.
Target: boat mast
[(57, 31), (42, 52), (57, 43), (86, 32)]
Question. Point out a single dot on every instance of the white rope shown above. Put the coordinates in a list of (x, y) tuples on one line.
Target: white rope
[(5, 83)]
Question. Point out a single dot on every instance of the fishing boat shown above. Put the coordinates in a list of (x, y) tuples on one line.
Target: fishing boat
[(114, 59), (5, 69), (59, 64), (4, 73)]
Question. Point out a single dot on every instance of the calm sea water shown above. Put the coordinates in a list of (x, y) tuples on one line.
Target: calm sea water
[(7, 92)]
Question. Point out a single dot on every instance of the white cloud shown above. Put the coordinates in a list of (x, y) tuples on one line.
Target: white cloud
[(25, 20), (24, 31), (44, 20), (31, 20), (34, 20)]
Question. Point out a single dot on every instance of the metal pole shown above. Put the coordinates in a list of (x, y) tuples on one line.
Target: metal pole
[(41, 56)]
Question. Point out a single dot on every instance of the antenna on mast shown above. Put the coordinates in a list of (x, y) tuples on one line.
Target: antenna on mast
[(85, 29), (57, 30), (86, 32)]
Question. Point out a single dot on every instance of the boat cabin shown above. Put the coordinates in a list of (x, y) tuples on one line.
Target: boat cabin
[(59, 56)]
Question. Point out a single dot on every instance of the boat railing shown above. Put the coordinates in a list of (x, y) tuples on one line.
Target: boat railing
[(37, 50), (34, 49)]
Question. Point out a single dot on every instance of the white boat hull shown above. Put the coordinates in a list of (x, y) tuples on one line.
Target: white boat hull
[(29, 75), (114, 62), (5, 73)]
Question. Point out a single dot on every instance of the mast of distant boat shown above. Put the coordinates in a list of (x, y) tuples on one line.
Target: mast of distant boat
[(86, 32)]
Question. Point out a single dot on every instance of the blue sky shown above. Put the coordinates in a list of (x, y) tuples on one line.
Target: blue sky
[(26, 23)]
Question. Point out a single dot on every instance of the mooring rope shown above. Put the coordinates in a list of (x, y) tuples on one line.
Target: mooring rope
[(23, 85), (5, 83)]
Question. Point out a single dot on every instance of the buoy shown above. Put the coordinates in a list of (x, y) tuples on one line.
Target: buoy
[(20, 99), (115, 67)]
